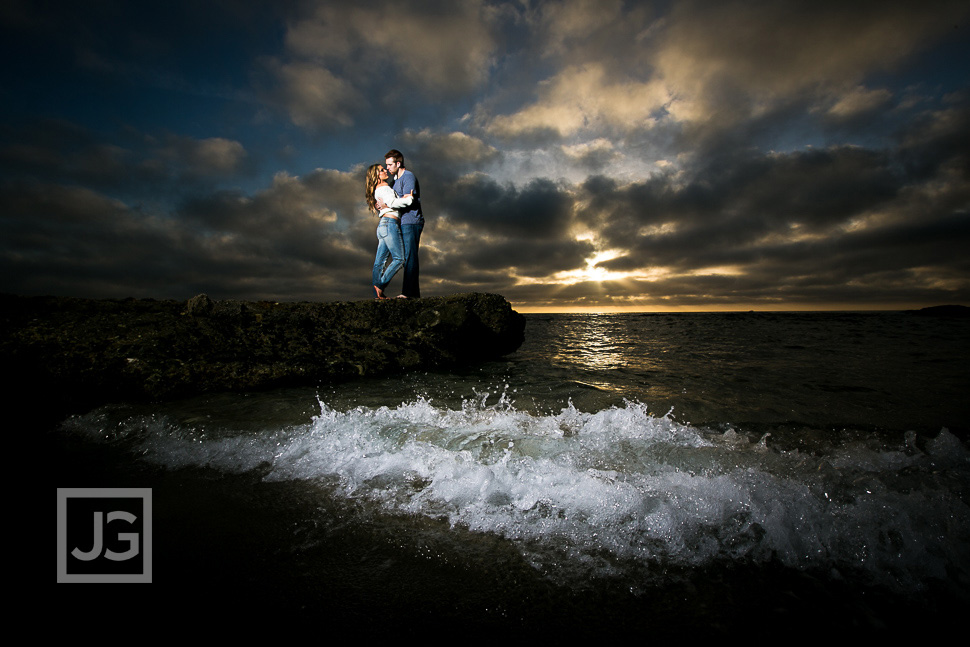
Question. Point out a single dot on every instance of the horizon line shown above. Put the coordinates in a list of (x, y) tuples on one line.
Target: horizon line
[(524, 309)]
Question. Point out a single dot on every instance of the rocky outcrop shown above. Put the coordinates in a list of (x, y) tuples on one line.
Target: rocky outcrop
[(87, 352)]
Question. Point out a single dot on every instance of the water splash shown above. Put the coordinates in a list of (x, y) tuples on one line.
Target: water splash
[(612, 491)]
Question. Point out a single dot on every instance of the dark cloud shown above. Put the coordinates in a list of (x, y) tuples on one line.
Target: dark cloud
[(280, 241), (520, 256), (342, 58), (578, 153), (57, 150), (539, 209), (128, 162), (939, 138), (449, 154)]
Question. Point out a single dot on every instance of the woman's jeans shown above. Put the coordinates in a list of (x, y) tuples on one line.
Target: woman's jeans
[(389, 243)]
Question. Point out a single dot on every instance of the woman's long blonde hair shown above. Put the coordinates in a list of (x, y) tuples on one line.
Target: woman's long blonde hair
[(370, 184)]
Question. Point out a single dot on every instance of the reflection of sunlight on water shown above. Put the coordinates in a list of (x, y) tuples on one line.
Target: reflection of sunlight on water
[(610, 358), (592, 342), (607, 342)]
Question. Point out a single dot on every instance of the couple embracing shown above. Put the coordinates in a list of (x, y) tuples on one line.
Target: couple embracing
[(398, 207)]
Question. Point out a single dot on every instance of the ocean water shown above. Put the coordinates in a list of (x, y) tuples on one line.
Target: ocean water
[(618, 476)]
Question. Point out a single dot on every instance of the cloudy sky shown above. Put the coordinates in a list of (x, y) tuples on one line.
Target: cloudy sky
[(573, 154)]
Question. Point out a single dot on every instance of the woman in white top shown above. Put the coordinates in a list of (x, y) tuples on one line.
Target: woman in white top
[(389, 239)]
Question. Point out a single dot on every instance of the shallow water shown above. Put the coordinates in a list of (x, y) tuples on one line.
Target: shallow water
[(702, 465)]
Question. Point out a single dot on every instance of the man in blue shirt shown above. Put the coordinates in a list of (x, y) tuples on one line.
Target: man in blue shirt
[(412, 221)]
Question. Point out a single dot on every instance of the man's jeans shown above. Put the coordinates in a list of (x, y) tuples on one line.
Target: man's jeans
[(412, 238)]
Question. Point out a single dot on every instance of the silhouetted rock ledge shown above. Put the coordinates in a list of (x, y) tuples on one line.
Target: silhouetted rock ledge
[(88, 352)]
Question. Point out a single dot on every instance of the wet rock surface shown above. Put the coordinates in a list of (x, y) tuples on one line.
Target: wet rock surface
[(85, 352)]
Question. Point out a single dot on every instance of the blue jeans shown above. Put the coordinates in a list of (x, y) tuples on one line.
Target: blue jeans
[(389, 243), (412, 237)]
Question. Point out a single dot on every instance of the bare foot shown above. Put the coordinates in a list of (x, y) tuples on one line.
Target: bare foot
[(401, 296), (380, 293)]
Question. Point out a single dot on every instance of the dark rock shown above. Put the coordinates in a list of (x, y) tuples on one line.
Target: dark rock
[(199, 306), (85, 352)]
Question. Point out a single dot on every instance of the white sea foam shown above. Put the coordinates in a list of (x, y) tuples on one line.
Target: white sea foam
[(601, 491)]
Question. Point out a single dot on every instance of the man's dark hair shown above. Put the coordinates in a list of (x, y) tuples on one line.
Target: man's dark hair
[(397, 155)]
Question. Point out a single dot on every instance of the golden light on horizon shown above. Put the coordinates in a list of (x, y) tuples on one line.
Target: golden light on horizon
[(660, 307)]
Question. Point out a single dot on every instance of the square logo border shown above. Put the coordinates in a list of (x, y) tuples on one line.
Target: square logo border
[(63, 494)]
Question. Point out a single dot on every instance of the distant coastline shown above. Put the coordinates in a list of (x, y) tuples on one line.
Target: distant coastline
[(943, 311)]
